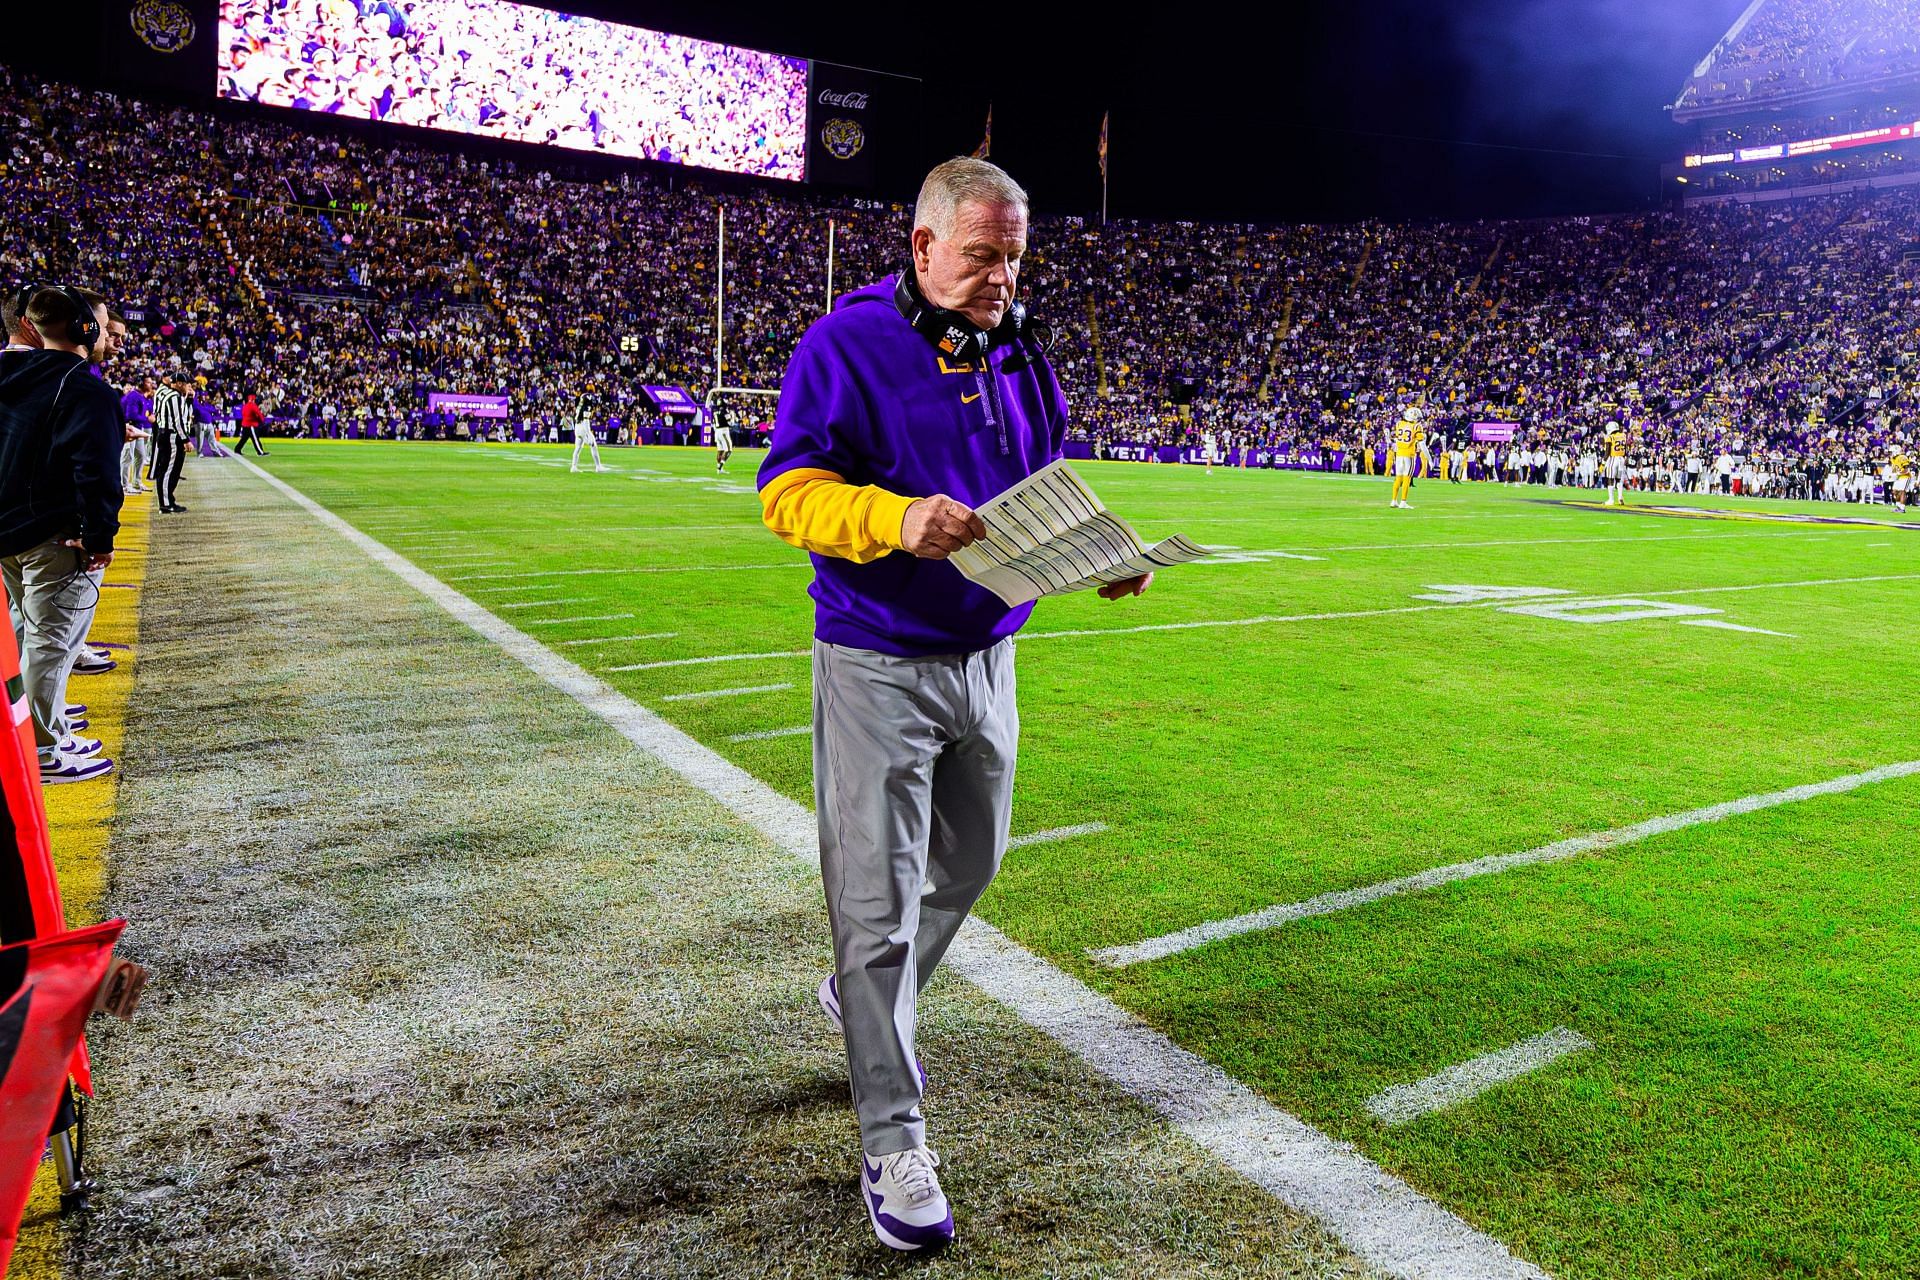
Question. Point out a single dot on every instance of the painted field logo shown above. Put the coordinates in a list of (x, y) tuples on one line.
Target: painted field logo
[(843, 138), (162, 25), (1727, 513)]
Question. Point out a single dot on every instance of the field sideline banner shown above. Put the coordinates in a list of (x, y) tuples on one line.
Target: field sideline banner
[(471, 406), (1277, 459)]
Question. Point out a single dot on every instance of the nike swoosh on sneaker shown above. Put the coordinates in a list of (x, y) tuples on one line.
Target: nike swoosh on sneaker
[(873, 1172)]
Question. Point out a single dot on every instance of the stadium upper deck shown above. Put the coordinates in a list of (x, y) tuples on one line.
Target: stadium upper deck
[(1792, 53)]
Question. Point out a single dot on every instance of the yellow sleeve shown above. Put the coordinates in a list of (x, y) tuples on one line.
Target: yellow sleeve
[(819, 511)]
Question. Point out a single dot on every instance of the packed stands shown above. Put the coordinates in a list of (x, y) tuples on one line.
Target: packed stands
[(1782, 52), (338, 280)]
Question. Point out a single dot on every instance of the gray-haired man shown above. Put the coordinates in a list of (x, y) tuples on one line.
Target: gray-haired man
[(917, 399)]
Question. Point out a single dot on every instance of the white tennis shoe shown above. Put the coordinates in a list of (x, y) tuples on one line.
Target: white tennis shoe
[(904, 1202)]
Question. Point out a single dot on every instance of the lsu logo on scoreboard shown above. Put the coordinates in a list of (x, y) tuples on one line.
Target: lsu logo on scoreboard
[(164, 26), (843, 138)]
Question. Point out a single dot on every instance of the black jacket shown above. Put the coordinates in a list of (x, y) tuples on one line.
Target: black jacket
[(60, 438)]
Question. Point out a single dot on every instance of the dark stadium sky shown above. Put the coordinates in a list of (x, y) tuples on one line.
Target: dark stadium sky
[(1305, 111)]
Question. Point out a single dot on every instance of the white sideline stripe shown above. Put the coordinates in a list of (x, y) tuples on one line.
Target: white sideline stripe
[(541, 604), (1468, 1080), (1379, 1217), (1056, 833), (1342, 899), (793, 732), (651, 635), (657, 568), (742, 691), (561, 622)]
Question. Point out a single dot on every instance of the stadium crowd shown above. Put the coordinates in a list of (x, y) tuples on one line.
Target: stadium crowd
[(338, 280)]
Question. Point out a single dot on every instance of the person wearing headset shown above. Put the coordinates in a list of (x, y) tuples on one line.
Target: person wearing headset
[(60, 495), (913, 401)]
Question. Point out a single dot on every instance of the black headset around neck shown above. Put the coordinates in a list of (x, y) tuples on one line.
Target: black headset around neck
[(951, 331)]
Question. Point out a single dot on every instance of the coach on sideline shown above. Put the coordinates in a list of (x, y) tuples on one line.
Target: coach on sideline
[(60, 496), (915, 400)]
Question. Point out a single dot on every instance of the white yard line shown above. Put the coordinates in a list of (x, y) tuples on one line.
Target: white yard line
[(1468, 1080), (1271, 619), (657, 568), (1281, 618), (1265, 619), (1341, 900), (1057, 833), (1379, 1217), (1718, 625), (524, 586), (700, 662), (1552, 542), (740, 692), (792, 732), (542, 604), (561, 622), (651, 635)]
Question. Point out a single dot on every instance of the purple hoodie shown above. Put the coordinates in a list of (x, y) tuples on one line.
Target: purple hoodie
[(874, 402), (137, 409)]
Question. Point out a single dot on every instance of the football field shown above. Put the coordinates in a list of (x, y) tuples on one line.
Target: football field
[(1562, 860)]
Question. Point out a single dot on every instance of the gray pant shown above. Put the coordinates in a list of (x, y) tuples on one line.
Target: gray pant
[(913, 782), (53, 599)]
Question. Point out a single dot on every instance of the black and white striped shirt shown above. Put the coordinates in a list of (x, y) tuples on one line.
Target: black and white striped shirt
[(173, 412)]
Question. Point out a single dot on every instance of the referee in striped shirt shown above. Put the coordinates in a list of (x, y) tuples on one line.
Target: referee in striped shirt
[(172, 425)]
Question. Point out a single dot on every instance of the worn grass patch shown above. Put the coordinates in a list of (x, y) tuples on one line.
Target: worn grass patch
[(452, 981)]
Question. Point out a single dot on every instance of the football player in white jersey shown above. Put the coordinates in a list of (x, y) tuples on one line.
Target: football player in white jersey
[(583, 438), (722, 440)]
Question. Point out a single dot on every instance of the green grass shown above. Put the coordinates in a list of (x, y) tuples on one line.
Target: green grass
[(1749, 1107)]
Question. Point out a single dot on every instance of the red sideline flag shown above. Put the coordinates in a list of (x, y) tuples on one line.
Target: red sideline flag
[(29, 892), (1103, 144), (39, 1029)]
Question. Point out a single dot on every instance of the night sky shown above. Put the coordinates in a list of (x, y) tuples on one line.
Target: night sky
[(1219, 116)]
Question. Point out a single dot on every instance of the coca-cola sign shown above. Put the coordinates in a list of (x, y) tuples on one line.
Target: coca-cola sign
[(850, 101)]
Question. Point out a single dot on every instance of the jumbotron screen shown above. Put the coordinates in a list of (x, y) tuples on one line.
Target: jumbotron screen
[(502, 70)]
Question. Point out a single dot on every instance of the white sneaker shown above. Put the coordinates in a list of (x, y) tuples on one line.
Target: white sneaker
[(79, 748), (72, 769), (904, 1202), (603, 468)]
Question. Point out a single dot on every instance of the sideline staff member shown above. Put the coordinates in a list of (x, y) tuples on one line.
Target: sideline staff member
[(916, 399), (60, 437)]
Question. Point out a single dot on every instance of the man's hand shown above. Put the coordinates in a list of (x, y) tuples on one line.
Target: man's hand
[(937, 527), (96, 562), (1127, 587)]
